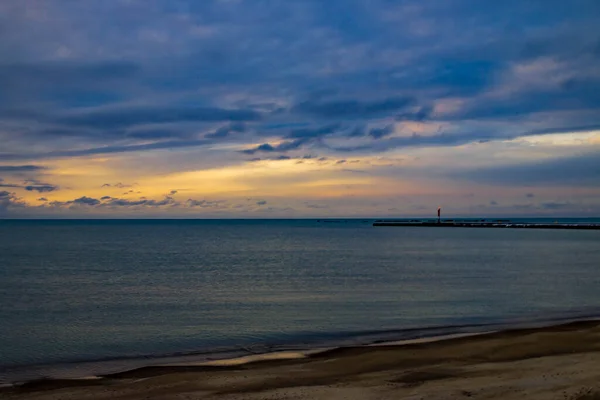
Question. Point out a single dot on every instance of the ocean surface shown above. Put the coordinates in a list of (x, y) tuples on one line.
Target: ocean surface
[(86, 297)]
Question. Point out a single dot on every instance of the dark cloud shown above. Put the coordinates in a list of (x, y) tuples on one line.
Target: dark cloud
[(126, 117), (42, 199), (171, 144), (111, 202), (225, 131), (88, 201), (279, 148), (107, 201), (523, 104), (172, 192), (493, 203), (296, 139), (449, 139), (142, 202), (461, 77), (581, 170), (265, 148), (206, 203), (565, 128), (21, 168), (419, 115), (530, 195), (378, 133), (151, 134), (43, 188), (81, 201), (65, 73), (316, 206), (8, 201), (553, 205), (119, 185), (31, 185), (280, 158), (357, 131), (349, 109), (9, 185), (306, 133), (261, 203)]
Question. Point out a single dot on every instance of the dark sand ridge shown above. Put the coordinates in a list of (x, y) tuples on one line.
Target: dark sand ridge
[(559, 362)]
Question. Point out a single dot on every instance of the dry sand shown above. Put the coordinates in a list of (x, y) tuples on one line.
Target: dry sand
[(561, 362)]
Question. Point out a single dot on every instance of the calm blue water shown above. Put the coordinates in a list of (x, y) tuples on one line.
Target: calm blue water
[(95, 290)]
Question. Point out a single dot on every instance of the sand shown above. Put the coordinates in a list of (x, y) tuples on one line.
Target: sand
[(560, 362)]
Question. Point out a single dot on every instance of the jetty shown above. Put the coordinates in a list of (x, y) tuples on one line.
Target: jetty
[(482, 223)]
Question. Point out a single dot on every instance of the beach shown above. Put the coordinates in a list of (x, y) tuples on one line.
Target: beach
[(556, 362)]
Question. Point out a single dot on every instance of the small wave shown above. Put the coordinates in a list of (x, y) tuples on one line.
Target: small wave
[(239, 355)]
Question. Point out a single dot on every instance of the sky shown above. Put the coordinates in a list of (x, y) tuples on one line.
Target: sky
[(299, 108)]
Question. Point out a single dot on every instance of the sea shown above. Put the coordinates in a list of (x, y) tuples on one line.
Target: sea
[(93, 297)]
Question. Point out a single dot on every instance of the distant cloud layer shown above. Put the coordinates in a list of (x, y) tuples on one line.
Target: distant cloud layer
[(146, 89)]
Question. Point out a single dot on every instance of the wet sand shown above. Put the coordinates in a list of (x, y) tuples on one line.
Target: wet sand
[(560, 362)]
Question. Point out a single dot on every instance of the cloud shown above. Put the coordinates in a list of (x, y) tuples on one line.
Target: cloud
[(580, 170), (81, 201), (41, 188), (261, 203), (420, 114), (553, 205), (284, 157), (126, 117), (306, 133), (61, 73), (296, 138), (119, 185), (142, 202), (353, 108), (206, 203), (170, 88), (21, 168), (316, 206), (86, 201), (9, 200), (226, 131), (378, 133), (172, 144), (530, 195), (32, 185), (281, 147)]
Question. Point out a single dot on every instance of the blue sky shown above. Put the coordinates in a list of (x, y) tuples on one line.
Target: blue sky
[(238, 108)]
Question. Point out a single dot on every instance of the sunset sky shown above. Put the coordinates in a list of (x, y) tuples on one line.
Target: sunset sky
[(307, 108)]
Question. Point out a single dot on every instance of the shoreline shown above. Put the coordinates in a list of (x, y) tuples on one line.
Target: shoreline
[(567, 339), (66, 371)]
